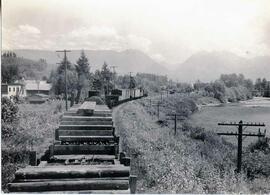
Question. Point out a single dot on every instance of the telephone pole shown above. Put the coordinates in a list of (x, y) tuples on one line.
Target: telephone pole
[(130, 85), (65, 62), (114, 75), (158, 107), (174, 118), (240, 135)]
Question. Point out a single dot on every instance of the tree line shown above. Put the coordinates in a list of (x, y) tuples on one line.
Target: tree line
[(14, 68), (228, 88), (80, 79), (262, 87)]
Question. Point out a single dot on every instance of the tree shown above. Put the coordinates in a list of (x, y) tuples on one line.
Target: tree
[(61, 67), (267, 90), (9, 73), (264, 84), (9, 54), (82, 69), (132, 83), (219, 90), (248, 84), (106, 77), (58, 81), (9, 112)]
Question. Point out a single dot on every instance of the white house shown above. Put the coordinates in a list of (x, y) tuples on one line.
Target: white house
[(13, 89)]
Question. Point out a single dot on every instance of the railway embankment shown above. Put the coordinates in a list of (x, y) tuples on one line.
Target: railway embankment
[(192, 161)]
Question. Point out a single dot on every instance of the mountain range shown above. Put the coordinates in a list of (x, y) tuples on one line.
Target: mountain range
[(203, 66), (127, 61)]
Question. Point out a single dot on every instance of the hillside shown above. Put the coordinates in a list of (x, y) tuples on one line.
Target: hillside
[(205, 66), (13, 68), (126, 61)]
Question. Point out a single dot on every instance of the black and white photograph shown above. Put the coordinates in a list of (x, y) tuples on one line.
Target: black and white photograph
[(135, 96)]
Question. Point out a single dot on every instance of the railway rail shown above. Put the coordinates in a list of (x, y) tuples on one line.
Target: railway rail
[(84, 158)]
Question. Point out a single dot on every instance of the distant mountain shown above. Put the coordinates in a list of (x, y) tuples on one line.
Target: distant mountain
[(126, 61), (205, 66), (208, 66)]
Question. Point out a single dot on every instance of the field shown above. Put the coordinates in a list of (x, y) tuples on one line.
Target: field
[(34, 131)]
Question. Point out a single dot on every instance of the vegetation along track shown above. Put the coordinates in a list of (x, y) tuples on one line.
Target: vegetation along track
[(193, 161), (84, 158)]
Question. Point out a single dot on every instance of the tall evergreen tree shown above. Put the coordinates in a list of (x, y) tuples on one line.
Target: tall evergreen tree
[(82, 69), (106, 77), (59, 80)]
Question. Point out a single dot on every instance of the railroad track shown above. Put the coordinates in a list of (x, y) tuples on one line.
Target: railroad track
[(84, 158)]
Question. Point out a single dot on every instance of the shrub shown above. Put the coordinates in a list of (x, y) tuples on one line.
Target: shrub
[(185, 106), (58, 108), (197, 133), (261, 144), (96, 99), (9, 110)]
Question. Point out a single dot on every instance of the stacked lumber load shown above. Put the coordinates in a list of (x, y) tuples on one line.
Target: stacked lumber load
[(84, 158)]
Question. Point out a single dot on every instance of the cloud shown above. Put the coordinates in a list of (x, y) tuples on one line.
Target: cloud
[(104, 38), (25, 37), (158, 57), (137, 42), (93, 31), (28, 29), (267, 34)]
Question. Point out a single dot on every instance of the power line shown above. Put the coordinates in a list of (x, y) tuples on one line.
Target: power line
[(240, 135), (114, 77), (65, 62)]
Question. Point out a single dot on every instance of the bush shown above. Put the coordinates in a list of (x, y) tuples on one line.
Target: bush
[(11, 161), (9, 110), (261, 144), (96, 99), (8, 129), (58, 108), (185, 106), (198, 133)]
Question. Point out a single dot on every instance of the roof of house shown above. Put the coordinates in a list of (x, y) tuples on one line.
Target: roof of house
[(37, 85), (39, 95), (10, 84)]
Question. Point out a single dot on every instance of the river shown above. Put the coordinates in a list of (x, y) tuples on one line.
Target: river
[(255, 110)]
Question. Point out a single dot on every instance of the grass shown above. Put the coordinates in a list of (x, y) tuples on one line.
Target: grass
[(193, 161), (34, 131)]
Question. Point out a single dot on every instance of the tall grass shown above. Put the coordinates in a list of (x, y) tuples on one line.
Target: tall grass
[(33, 131), (193, 161)]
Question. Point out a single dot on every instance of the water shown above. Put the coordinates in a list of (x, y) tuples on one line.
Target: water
[(255, 110)]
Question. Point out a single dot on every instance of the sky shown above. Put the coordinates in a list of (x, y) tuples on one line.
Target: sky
[(167, 30)]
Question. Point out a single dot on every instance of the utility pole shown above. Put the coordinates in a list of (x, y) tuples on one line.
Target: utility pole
[(158, 105), (130, 85), (65, 62), (240, 135), (174, 117), (114, 73)]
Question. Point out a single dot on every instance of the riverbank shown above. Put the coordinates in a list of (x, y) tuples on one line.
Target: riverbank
[(255, 110), (193, 161)]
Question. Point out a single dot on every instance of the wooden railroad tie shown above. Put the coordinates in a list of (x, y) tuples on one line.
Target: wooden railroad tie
[(84, 157)]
